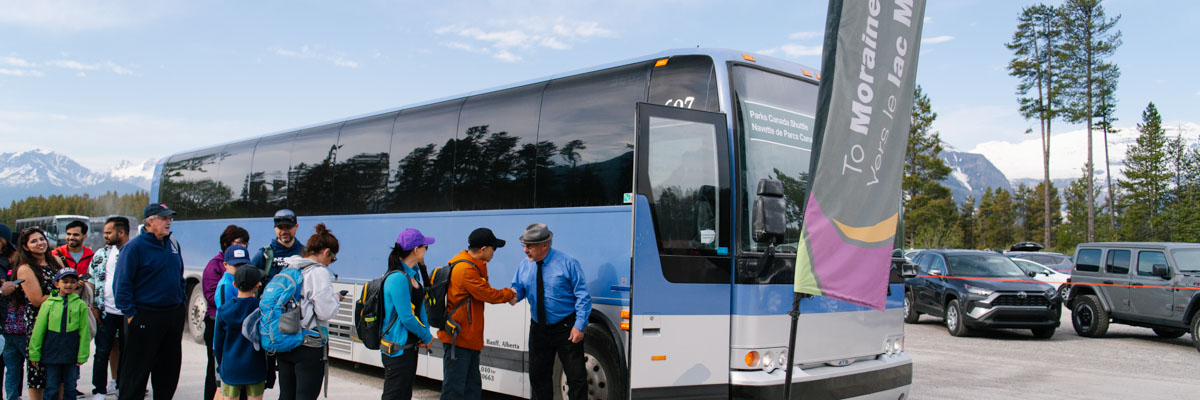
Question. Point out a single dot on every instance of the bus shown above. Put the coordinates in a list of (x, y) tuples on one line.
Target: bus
[(647, 172), (95, 239), (54, 225)]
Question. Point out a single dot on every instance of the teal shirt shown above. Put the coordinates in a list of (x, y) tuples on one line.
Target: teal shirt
[(397, 303)]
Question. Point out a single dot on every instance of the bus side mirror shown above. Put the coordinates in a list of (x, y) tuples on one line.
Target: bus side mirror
[(770, 217)]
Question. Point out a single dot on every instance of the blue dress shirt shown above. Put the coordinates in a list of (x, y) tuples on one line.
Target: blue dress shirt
[(565, 286)]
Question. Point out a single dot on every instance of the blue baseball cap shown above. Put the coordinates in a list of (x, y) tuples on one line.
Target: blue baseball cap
[(65, 272), (237, 255), (411, 238)]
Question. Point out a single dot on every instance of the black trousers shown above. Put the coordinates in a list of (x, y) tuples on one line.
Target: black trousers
[(210, 371), (106, 336), (398, 375), (157, 357), (301, 373), (545, 342)]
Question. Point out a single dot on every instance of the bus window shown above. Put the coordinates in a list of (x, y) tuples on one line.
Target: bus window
[(235, 175), (586, 120), (775, 130), (193, 190), (310, 179), (360, 176), (496, 151), (421, 176), (269, 177), (683, 178), (685, 82)]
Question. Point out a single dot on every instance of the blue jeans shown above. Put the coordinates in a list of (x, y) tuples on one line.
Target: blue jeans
[(460, 377), (65, 374), (15, 349)]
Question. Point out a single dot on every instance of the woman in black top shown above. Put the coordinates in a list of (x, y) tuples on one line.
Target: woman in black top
[(37, 269)]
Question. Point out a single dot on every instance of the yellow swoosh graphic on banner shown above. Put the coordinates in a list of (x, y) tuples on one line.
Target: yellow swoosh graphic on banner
[(882, 231)]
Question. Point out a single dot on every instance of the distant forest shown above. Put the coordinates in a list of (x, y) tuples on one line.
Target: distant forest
[(109, 203)]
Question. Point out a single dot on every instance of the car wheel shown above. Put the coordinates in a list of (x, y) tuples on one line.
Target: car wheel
[(1043, 333), (1088, 317), (954, 320), (197, 310), (1169, 333), (1196, 330), (1063, 291), (910, 313)]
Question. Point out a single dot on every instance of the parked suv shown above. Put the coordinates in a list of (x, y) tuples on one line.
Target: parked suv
[(979, 289), (1151, 285)]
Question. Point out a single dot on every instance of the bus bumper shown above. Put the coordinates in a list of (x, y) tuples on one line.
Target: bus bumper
[(885, 377)]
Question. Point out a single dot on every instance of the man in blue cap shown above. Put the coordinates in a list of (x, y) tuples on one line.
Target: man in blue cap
[(270, 258), (150, 294)]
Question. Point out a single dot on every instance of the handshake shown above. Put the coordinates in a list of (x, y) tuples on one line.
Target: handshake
[(513, 301)]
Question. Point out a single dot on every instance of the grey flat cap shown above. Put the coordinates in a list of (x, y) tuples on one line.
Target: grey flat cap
[(536, 233)]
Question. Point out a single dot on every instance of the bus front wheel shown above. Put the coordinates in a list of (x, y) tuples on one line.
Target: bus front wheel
[(604, 377), (197, 309)]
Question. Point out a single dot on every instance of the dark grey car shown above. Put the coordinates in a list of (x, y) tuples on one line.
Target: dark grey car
[(1152, 285)]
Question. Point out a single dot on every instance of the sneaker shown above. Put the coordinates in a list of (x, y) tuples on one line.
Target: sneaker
[(99, 396), (112, 385)]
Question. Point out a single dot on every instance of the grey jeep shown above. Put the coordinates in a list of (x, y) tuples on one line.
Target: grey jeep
[(1153, 285)]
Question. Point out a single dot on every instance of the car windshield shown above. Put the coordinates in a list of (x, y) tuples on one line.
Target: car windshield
[(984, 266), (1187, 259)]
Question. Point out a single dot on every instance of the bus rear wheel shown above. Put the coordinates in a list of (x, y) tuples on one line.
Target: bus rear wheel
[(604, 377)]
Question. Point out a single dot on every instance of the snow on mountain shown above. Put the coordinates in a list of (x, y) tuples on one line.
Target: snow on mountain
[(44, 173), (971, 174)]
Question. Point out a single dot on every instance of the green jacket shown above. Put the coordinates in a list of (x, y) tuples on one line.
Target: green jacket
[(61, 330)]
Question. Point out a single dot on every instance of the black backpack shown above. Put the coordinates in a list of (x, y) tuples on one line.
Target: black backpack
[(369, 312), (436, 302)]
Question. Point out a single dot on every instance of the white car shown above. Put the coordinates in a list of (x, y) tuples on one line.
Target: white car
[(1042, 273)]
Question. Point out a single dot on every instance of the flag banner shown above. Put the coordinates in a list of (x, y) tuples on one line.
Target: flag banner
[(864, 109)]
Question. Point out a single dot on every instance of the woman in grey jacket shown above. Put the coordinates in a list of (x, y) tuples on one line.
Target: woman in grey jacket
[(301, 371)]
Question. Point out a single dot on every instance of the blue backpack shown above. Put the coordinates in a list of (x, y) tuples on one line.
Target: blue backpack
[(279, 316)]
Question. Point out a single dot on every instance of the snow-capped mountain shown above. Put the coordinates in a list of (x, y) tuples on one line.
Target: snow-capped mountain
[(971, 174), (44, 173)]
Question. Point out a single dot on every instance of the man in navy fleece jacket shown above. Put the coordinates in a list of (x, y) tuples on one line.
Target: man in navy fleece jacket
[(150, 294)]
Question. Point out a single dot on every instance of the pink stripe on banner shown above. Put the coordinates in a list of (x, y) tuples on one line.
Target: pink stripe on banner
[(845, 271)]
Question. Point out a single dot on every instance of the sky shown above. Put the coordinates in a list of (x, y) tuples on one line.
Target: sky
[(133, 80)]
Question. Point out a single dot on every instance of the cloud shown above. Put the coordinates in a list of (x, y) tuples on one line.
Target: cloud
[(805, 35), (26, 68), (88, 138), (797, 50), (1068, 151), (21, 72), (506, 40), (937, 39), (317, 52), (83, 15)]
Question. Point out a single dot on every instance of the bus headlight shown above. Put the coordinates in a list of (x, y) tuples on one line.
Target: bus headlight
[(768, 362)]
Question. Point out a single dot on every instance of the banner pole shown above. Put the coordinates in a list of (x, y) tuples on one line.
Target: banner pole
[(791, 353)]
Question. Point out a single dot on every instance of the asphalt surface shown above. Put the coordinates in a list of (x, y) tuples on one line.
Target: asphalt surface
[(1127, 363)]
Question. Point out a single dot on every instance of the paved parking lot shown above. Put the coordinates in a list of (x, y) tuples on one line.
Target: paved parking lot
[(1127, 363)]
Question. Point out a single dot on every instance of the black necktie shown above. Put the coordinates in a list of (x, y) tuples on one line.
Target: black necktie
[(541, 296)]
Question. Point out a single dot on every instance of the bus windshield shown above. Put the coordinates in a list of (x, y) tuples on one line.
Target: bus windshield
[(775, 125)]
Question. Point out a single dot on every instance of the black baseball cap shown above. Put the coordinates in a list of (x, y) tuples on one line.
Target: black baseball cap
[(246, 278), (285, 218), (483, 237), (158, 209)]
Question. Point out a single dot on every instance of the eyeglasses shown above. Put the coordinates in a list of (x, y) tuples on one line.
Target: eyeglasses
[(334, 258), (424, 246)]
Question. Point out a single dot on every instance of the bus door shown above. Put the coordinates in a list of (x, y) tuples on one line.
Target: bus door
[(680, 290)]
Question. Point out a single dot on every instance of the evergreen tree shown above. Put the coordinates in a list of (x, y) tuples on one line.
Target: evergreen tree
[(996, 220), (1185, 207), (928, 206), (1147, 180), (1038, 57), (967, 225), (1089, 40)]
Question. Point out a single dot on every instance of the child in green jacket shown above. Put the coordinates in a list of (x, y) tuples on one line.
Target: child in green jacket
[(60, 338)]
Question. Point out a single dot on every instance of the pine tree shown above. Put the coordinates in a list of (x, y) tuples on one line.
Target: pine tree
[(1038, 57), (1089, 41), (967, 224), (928, 205), (1147, 180)]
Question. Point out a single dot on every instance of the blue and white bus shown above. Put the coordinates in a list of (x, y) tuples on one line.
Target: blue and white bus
[(645, 169)]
